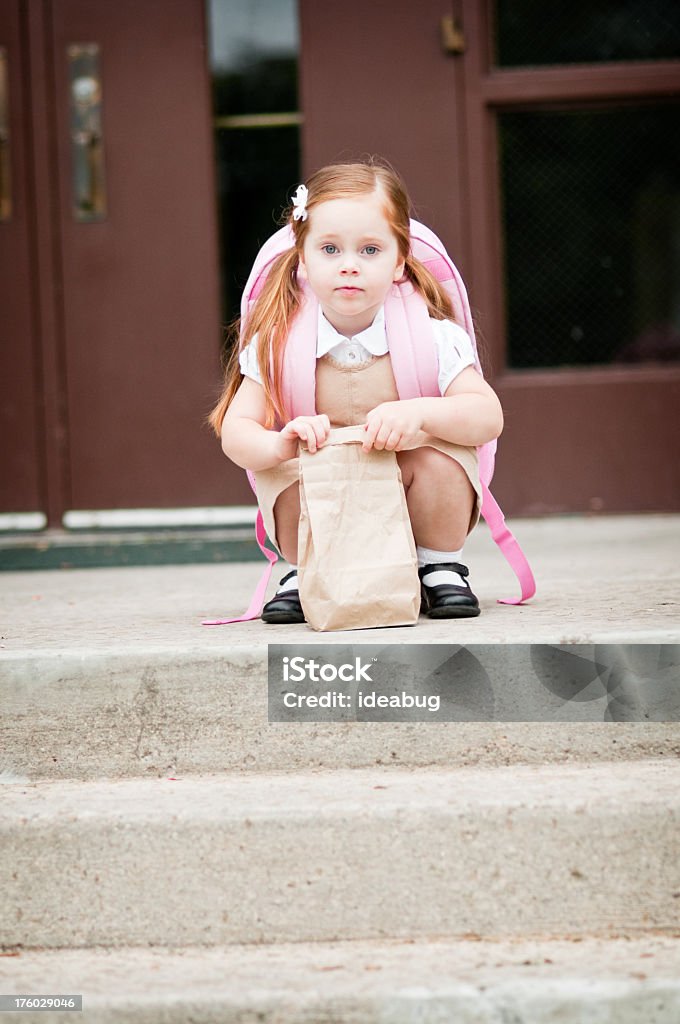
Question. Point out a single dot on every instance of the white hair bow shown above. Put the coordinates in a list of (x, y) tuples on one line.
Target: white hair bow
[(300, 203)]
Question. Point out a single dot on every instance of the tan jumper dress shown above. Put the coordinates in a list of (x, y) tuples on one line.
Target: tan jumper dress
[(346, 394)]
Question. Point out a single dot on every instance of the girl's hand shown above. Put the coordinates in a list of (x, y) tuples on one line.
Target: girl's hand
[(311, 430), (393, 426)]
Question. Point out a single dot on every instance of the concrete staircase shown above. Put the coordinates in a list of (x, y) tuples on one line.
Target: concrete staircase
[(378, 874), (174, 857)]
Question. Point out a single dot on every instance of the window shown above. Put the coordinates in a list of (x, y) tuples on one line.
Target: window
[(533, 33), (592, 229), (254, 46)]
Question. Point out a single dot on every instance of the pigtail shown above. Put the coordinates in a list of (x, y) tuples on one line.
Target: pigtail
[(271, 319), (232, 379), (438, 300)]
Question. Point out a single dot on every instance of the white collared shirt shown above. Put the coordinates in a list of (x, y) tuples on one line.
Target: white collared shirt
[(452, 344)]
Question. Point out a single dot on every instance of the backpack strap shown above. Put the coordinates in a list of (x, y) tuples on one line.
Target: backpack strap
[(509, 547), (299, 366), (254, 609), (412, 348)]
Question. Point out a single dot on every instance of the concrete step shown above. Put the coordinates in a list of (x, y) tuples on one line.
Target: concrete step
[(633, 981), (102, 715), (609, 579), (552, 851)]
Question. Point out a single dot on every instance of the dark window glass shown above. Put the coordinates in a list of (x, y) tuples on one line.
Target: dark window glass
[(256, 168), (592, 235), (254, 49), (532, 32)]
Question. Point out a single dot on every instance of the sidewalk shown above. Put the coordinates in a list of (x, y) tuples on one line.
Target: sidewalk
[(609, 579)]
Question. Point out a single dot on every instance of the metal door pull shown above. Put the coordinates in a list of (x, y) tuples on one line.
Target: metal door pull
[(87, 139)]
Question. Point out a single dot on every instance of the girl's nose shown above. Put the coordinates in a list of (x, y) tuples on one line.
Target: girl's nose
[(349, 264)]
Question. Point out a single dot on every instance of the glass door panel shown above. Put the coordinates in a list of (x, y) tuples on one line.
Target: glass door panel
[(532, 33), (254, 47), (591, 223)]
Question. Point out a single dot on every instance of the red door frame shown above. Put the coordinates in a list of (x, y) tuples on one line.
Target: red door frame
[(577, 419)]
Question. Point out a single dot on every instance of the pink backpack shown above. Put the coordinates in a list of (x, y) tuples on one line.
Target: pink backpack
[(415, 373)]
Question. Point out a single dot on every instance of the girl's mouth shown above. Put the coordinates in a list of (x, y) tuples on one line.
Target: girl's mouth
[(348, 290)]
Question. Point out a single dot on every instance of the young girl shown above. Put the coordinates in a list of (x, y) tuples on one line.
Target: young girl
[(351, 229)]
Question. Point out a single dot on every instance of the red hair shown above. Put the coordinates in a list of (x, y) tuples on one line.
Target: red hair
[(279, 301)]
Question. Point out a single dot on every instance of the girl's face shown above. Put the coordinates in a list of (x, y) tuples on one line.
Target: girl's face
[(351, 260)]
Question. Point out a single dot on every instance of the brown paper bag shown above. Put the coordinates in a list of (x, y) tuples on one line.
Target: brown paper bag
[(357, 565)]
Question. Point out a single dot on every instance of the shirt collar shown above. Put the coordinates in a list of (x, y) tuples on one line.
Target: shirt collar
[(373, 339)]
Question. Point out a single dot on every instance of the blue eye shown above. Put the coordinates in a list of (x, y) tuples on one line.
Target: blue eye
[(371, 250), (330, 249)]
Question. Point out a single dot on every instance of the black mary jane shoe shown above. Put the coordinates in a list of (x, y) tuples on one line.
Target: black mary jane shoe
[(284, 607), (447, 600)]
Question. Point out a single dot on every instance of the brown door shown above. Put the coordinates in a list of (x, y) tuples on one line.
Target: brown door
[(543, 147), (573, 164), (116, 200)]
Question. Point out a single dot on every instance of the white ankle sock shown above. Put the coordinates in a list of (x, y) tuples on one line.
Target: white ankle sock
[(427, 556), (290, 584)]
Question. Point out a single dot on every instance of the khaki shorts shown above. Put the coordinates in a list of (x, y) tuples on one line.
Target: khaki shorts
[(270, 483)]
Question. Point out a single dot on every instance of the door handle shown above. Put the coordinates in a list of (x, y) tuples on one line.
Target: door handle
[(5, 171), (88, 180), (453, 40)]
